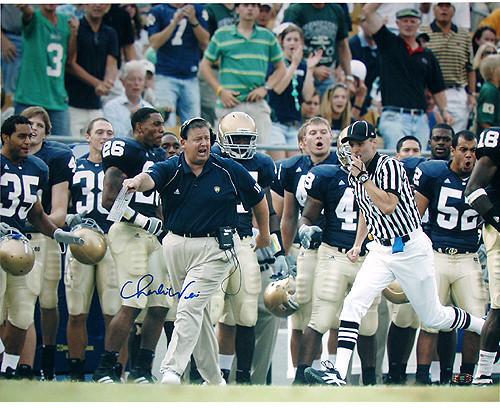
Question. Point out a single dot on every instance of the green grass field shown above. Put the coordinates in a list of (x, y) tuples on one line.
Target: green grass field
[(26, 391)]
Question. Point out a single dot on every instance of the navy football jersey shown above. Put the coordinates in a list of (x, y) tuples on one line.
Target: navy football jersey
[(276, 185), (489, 145), (452, 222), (61, 165), (20, 186), (410, 164), (294, 171), (86, 192), (132, 158), (261, 168), (330, 185)]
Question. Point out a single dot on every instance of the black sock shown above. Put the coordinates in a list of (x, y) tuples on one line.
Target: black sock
[(24, 371), (368, 375), (422, 375), (467, 368), (144, 359), (108, 359), (48, 360), (395, 371), (403, 372), (134, 344), (445, 375), (76, 369), (299, 373), (244, 347)]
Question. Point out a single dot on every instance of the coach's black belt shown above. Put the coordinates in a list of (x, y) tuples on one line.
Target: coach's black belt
[(403, 110), (388, 242), (452, 251)]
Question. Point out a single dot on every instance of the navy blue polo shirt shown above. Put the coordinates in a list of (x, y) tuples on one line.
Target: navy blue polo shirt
[(201, 205)]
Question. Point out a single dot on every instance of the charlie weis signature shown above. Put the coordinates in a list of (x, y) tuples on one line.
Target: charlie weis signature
[(142, 289)]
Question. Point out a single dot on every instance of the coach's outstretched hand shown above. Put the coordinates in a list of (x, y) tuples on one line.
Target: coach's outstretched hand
[(353, 253)]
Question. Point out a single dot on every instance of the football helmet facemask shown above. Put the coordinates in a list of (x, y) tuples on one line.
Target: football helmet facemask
[(344, 151), (95, 246), (16, 255), (279, 297), (237, 135)]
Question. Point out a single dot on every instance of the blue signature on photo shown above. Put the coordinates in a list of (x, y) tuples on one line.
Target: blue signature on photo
[(142, 289)]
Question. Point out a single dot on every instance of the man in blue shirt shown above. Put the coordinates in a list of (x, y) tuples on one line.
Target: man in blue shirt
[(200, 193), (178, 32)]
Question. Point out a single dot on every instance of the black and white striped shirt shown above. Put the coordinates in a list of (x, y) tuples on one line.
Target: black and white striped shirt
[(388, 174)]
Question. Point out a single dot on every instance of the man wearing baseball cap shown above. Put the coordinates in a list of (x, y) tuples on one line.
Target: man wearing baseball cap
[(406, 71)]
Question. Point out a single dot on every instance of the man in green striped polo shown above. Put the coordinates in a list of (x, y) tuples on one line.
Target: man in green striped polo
[(244, 51)]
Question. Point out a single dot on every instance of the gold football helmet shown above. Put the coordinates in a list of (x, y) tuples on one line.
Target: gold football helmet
[(16, 255), (95, 246), (344, 150), (394, 293), (279, 297), (237, 135)]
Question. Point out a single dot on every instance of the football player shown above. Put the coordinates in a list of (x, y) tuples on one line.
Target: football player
[(453, 229), (44, 279), (237, 138), (23, 177), (405, 322), (170, 144), (134, 246), (483, 194), (81, 279), (328, 192), (317, 140)]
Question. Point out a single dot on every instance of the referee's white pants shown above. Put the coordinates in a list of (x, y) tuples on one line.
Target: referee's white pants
[(414, 270), (198, 266)]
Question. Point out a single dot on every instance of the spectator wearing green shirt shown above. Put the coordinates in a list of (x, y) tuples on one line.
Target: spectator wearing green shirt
[(488, 103), (49, 40), (325, 28), (244, 52)]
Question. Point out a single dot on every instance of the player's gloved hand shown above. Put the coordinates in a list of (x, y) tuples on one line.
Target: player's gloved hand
[(5, 229), (280, 267), (305, 234), (64, 239), (153, 226), (265, 256), (73, 219)]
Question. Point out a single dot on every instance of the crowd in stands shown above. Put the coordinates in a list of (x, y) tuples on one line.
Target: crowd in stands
[(402, 67)]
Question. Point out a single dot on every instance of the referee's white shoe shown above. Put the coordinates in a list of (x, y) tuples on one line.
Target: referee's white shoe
[(330, 376)]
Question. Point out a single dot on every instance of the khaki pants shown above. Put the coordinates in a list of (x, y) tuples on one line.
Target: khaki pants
[(197, 268), (491, 239)]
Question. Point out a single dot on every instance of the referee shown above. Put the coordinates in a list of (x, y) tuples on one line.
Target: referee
[(200, 193), (399, 250)]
